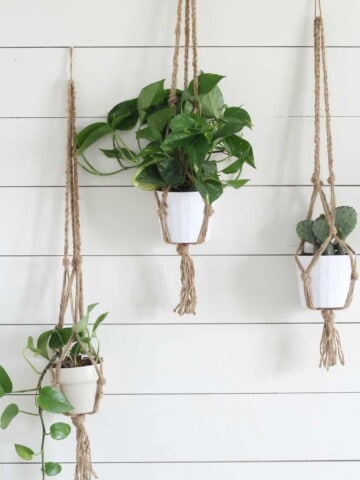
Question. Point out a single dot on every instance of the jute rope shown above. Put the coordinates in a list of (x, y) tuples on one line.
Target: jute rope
[(72, 296), (330, 346), (187, 302)]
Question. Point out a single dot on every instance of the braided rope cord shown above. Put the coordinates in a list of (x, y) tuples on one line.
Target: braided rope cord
[(72, 294)]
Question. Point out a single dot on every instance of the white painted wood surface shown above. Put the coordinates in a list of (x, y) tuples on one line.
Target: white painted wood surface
[(234, 392)]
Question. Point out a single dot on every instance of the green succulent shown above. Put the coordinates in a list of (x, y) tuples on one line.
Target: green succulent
[(316, 231)]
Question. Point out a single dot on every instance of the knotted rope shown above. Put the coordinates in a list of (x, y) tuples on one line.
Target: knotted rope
[(330, 346), (72, 295), (187, 303)]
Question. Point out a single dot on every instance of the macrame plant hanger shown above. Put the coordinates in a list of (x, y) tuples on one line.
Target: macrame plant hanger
[(72, 288), (330, 345), (187, 303)]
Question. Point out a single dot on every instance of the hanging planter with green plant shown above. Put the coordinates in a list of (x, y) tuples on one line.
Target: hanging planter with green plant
[(190, 147)]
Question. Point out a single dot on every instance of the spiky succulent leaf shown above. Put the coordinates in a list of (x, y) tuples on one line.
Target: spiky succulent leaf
[(305, 232), (321, 229), (345, 221)]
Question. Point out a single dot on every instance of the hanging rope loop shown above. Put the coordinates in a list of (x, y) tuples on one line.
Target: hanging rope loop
[(330, 348)]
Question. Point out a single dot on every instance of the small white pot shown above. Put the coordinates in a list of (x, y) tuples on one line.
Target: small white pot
[(184, 216), (329, 280), (79, 385)]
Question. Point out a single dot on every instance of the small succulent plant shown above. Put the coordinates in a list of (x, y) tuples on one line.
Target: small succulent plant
[(316, 231)]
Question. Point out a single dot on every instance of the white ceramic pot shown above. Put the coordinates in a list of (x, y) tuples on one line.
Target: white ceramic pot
[(79, 385), (184, 216), (330, 280)]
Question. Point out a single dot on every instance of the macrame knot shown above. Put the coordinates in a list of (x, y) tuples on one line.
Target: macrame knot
[(330, 345), (332, 230), (77, 260), (188, 293), (315, 180), (305, 277), (331, 179), (355, 276), (66, 262)]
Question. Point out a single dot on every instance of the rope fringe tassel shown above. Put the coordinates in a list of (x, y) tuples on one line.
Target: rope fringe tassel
[(330, 345)]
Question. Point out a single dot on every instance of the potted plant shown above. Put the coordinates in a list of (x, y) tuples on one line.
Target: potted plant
[(189, 151), (77, 392), (331, 274)]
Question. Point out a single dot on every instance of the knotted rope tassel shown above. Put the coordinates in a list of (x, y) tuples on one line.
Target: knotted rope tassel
[(187, 302), (84, 470), (330, 345)]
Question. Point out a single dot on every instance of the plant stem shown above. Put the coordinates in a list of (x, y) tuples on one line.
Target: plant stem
[(29, 413), (40, 410)]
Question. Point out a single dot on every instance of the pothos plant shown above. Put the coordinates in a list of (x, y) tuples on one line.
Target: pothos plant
[(194, 145), (47, 398)]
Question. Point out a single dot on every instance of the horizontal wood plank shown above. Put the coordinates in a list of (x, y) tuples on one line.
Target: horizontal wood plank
[(212, 471), (222, 428), (138, 290), (35, 151), (121, 23), (102, 82), (123, 221), (201, 359)]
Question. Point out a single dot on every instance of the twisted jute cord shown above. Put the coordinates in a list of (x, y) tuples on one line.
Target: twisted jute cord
[(330, 346), (72, 295), (187, 302)]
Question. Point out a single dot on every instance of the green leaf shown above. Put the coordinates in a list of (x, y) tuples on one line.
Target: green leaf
[(24, 452), (234, 167), (30, 346), (150, 95), (207, 81), (51, 469), (148, 178), (210, 189), (5, 381), (52, 400), (226, 129), (2, 392), (98, 322), (8, 415), (209, 168), (158, 120), (124, 115), (60, 338), (43, 342), (90, 135), (91, 307), (150, 134), (237, 115), (178, 139), (240, 148), (171, 171), (197, 151), (182, 121), (60, 430), (82, 324), (212, 104), (237, 183), (122, 153)]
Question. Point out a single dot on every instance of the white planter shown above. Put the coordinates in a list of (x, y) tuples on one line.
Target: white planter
[(329, 280), (184, 216), (79, 385)]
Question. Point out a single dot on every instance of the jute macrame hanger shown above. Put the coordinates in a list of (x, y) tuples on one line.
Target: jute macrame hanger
[(330, 345), (72, 288), (187, 301)]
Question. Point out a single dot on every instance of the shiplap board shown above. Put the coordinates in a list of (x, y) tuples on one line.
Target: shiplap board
[(123, 220), (199, 359), (145, 289), (34, 150), (126, 22), (107, 76), (205, 428), (214, 471)]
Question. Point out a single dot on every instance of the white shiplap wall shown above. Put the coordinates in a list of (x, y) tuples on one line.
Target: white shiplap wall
[(234, 392)]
